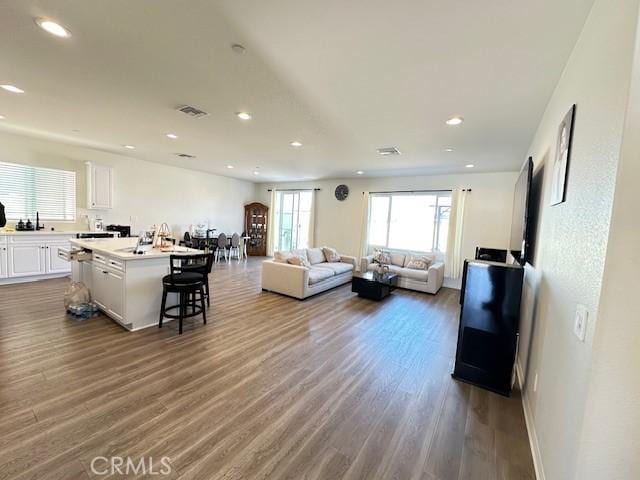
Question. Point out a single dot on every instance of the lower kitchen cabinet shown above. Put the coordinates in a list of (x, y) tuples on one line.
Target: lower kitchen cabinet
[(26, 260)]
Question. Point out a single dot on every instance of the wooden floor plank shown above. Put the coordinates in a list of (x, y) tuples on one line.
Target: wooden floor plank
[(328, 388)]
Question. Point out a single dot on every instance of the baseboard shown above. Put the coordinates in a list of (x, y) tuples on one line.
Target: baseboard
[(33, 278), (531, 429), (451, 283)]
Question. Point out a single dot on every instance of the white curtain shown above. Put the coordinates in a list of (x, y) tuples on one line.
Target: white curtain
[(312, 220), (272, 231), (454, 258), (364, 227)]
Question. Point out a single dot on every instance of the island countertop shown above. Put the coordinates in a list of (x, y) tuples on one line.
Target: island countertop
[(120, 248)]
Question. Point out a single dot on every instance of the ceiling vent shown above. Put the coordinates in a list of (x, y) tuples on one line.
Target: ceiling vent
[(192, 111), (389, 151), (184, 155)]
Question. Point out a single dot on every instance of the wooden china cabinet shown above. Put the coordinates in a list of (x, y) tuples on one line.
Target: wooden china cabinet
[(255, 225)]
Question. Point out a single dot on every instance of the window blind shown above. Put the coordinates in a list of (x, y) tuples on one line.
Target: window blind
[(25, 190)]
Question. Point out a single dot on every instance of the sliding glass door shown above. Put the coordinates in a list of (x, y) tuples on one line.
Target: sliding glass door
[(293, 219)]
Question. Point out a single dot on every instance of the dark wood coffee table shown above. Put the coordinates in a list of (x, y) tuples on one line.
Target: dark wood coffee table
[(374, 286)]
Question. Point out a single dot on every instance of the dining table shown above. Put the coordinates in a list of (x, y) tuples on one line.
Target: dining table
[(200, 242)]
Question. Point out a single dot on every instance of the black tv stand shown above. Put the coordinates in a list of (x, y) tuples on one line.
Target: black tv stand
[(489, 321)]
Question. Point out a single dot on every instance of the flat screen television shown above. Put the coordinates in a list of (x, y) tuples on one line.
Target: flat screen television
[(521, 217)]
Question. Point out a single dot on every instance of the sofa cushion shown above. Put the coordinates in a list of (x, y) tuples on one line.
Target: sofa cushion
[(318, 274), (315, 256), (299, 261), (331, 254), (419, 262), (281, 257), (398, 259), (336, 267), (419, 275), (301, 252)]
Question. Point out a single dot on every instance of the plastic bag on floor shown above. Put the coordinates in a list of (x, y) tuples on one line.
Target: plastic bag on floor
[(76, 294)]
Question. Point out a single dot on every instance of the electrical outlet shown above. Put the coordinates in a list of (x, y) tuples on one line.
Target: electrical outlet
[(535, 382), (580, 323)]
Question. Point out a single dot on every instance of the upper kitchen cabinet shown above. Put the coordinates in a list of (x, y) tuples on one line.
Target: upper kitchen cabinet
[(99, 186)]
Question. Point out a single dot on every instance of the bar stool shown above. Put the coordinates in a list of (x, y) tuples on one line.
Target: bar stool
[(203, 269), (186, 284)]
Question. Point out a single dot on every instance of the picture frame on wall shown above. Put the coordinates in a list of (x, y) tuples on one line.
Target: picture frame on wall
[(560, 171)]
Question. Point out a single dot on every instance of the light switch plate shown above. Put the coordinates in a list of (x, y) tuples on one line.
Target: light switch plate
[(580, 323)]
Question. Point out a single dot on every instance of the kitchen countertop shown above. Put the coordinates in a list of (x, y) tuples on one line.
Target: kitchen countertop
[(44, 232), (114, 248)]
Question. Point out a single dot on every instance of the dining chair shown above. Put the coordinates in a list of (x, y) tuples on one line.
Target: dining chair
[(221, 248), (235, 246)]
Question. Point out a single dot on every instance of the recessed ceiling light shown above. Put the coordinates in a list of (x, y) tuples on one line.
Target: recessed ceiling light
[(172, 136), (295, 144), (53, 28), (229, 166), (236, 47), (130, 147), (448, 149), (360, 172), (470, 165), (12, 88), (2, 117), (455, 121), (256, 173), (244, 116)]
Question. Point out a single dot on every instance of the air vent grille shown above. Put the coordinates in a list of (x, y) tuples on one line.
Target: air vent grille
[(184, 155), (388, 151), (192, 111)]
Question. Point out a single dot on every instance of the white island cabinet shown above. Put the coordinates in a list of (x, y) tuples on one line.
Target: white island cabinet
[(127, 287)]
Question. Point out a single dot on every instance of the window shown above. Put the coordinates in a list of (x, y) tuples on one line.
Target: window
[(410, 221), (293, 219), (25, 190)]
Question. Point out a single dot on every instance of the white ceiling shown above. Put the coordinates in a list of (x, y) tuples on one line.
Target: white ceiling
[(343, 77)]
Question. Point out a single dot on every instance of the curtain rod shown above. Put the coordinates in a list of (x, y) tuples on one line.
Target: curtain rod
[(419, 191), (294, 189)]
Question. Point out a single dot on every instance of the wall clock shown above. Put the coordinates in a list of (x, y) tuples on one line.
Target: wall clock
[(342, 192)]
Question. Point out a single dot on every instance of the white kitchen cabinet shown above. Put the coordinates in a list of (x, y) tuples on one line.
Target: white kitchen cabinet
[(27, 259), (99, 186), (107, 286), (53, 263), (114, 301), (4, 273), (99, 282)]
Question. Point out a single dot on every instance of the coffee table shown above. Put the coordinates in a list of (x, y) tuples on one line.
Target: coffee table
[(373, 285)]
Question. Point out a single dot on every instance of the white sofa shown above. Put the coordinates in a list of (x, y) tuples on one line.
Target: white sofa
[(429, 281), (302, 282)]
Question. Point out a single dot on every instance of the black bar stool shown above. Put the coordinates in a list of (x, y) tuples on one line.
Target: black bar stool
[(186, 284), (203, 269)]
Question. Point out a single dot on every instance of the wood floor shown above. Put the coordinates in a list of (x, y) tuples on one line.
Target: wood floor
[(328, 388)]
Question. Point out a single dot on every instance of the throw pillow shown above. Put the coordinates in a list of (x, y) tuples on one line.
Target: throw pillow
[(299, 261), (419, 262), (315, 255), (382, 257), (281, 257), (331, 254)]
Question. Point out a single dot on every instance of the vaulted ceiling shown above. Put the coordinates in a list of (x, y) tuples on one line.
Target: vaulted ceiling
[(342, 77)]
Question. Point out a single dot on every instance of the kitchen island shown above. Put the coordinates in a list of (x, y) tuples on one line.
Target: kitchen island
[(126, 286)]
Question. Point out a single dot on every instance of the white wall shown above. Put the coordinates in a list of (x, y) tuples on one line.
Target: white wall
[(572, 239), (145, 193), (338, 224), (610, 440)]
